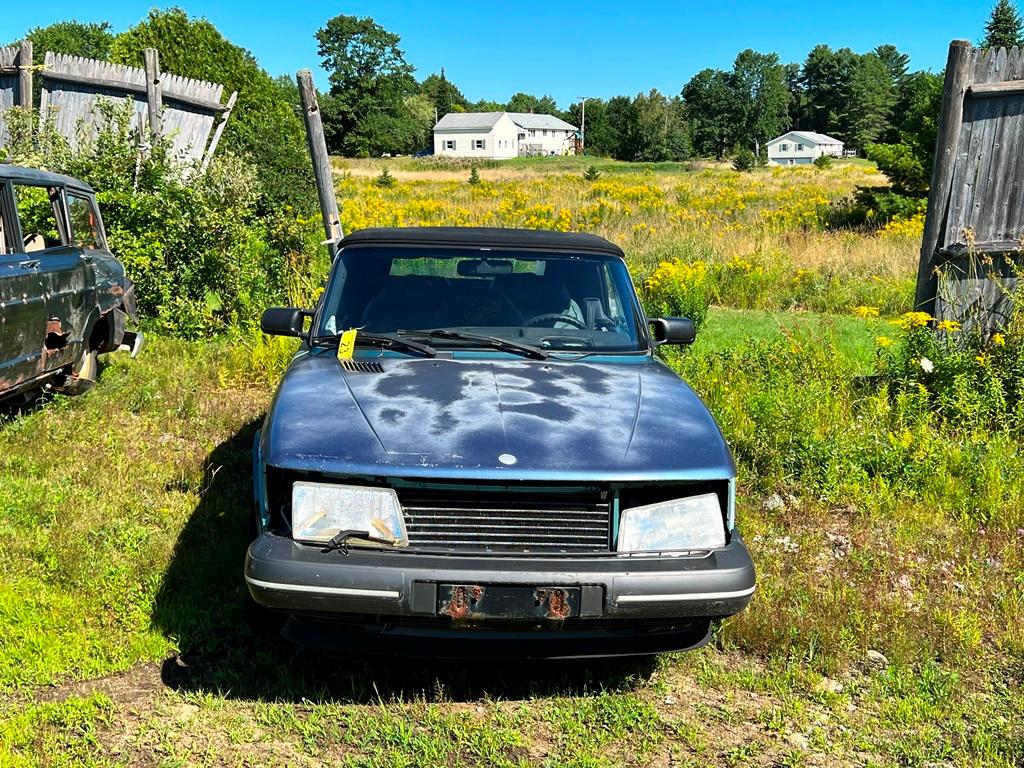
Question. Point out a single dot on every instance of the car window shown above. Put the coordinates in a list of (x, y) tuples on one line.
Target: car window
[(3, 222), (38, 211), (85, 228), (553, 300)]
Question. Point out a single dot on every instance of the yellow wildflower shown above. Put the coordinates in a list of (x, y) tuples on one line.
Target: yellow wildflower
[(949, 326), (998, 339), (982, 359), (912, 320), (883, 341), (865, 312)]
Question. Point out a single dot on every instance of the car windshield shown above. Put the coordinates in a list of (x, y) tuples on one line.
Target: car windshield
[(553, 301)]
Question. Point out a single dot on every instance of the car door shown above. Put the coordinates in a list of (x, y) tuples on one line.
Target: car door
[(62, 273), (22, 307)]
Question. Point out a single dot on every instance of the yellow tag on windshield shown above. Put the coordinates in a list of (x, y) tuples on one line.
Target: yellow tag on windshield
[(347, 344)]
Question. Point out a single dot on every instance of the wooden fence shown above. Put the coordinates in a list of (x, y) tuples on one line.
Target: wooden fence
[(188, 112), (15, 81), (974, 230)]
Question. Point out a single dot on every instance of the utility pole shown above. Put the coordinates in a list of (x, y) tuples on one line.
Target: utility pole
[(583, 124)]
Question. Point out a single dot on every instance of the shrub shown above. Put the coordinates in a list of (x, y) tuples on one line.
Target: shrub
[(474, 176), (592, 174), (385, 180), (744, 160), (678, 289), (822, 162)]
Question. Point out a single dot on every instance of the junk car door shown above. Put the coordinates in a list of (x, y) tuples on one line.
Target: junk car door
[(22, 308), (69, 303), (104, 274)]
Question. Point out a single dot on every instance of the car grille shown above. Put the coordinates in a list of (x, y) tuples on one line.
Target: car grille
[(507, 521)]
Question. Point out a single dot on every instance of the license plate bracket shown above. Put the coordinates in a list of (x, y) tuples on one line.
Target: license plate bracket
[(469, 603)]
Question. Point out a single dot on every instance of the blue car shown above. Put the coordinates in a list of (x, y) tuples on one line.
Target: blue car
[(475, 452)]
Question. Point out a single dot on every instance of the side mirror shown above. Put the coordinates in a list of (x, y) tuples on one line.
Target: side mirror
[(284, 321), (673, 330)]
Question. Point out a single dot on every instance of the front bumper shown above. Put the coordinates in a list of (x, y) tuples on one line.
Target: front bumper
[(395, 594)]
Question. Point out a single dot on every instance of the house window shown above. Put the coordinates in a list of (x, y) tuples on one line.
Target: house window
[(479, 143), (543, 133), (532, 132), (784, 147), (449, 144), (799, 147)]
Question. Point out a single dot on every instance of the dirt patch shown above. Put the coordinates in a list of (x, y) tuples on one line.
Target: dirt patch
[(133, 688)]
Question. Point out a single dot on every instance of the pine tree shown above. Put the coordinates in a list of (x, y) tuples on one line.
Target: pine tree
[(1003, 29)]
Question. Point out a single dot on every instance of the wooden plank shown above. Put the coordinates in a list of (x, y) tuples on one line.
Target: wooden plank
[(321, 161), (25, 74), (154, 91), (958, 78), (220, 130), (1005, 88), (992, 247), (131, 88)]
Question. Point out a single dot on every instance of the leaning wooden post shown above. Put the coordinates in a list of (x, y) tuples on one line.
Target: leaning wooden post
[(25, 74), (321, 161), (958, 80), (154, 91)]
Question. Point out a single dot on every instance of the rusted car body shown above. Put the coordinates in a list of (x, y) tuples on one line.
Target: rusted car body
[(495, 463), (64, 298)]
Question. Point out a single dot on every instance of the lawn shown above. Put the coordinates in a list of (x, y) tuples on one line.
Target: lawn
[(887, 625)]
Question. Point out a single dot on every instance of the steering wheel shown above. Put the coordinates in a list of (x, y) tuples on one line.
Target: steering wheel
[(557, 317)]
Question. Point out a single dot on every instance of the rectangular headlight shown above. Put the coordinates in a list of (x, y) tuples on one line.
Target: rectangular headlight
[(322, 510), (694, 522)]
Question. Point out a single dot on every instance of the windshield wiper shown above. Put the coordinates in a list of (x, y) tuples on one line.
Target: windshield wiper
[(495, 342), (384, 342)]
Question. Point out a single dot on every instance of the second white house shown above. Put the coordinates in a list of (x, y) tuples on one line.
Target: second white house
[(802, 147), (499, 135)]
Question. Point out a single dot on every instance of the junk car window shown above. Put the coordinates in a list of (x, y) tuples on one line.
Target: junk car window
[(554, 301), (85, 228), (3, 221), (38, 212)]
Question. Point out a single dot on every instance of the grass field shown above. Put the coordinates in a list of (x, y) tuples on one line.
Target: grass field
[(887, 627)]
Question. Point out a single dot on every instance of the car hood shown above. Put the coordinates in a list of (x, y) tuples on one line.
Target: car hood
[(491, 418)]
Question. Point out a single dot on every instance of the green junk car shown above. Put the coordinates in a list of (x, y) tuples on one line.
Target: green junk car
[(64, 298)]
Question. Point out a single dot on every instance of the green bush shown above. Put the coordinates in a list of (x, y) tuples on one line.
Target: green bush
[(744, 160), (678, 289), (474, 176), (822, 162)]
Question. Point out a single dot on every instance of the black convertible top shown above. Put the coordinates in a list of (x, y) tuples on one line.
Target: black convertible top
[(483, 237)]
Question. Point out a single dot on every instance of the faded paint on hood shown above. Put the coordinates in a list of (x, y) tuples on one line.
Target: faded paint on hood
[(447, 418)]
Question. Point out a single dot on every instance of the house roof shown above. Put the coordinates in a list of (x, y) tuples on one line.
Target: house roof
[(465, 120), (487, 237), (486, 120), (811, 136), (535, 121)]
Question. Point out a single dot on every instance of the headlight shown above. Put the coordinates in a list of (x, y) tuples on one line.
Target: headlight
[(322, 510), (692, 523)]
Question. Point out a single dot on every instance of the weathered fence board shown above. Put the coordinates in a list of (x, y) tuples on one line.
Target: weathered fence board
[(15, 81), (184, 109), (975, 220)]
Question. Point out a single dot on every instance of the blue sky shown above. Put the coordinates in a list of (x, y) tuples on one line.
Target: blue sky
[(592, 48)]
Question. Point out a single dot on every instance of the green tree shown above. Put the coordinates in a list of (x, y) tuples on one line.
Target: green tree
[(527, 102), (74, 38), (907, 158), (599, 139), (264, 125), (1003, 28), (895, 62), (712, 112), (761, 97), (444, 96), (370, 81), (828, 84), (872, 97)]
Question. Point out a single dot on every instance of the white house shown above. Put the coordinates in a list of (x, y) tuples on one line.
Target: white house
[(499, 135), (802, 147)]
